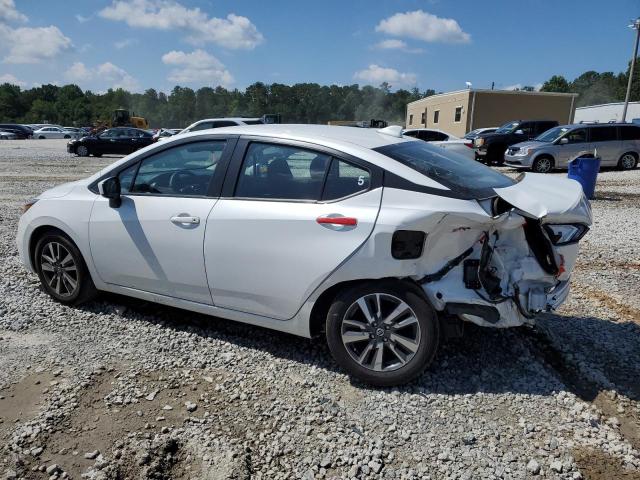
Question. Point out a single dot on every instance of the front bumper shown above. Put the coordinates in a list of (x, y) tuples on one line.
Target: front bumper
[(518, 161), (71, 148)]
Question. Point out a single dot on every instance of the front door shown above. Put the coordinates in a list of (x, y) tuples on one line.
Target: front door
[(577, 146), (154, 240), (294, 216)]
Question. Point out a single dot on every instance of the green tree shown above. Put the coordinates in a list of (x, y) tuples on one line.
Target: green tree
[(557, 83)]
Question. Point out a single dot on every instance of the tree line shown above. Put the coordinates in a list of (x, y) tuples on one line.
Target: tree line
[(299, 103)]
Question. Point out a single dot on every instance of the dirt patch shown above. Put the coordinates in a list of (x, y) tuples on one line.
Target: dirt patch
[(597, 465), (598, 296), (22, 401), (629, 422), (628, 199)]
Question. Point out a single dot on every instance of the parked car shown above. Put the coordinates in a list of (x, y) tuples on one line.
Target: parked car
[(490, 147), (52, 132), (443, 140), (220, 122), (214, 221), (119, 141), (6, 135), (617, 145), (163, 133), (473, 134), (22, 132)]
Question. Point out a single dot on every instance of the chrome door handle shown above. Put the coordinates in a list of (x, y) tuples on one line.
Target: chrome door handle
[(182, 219)]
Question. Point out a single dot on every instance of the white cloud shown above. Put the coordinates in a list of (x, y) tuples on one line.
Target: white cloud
[(9, 13), (196, 67), (82, 18), (126, 42), (32, 45), (376, 74), (8, 78), (234, 31), (395, 44), (107, 75), (116, 77), (78, 73), (423, 26)]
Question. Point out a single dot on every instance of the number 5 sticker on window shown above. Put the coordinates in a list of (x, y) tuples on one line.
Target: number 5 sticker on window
[(361, 180)]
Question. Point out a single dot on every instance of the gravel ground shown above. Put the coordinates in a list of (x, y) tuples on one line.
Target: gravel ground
[(120, 388)]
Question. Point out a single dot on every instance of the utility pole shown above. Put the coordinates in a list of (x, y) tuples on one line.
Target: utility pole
[(636, 26)]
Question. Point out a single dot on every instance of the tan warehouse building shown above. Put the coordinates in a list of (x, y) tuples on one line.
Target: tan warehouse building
[(462, 111)]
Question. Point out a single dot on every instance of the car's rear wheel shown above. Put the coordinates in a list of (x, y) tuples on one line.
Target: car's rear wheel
[(67, 136), (62, 270), (628, 161), (542, 164), (383, 333), (82, 151), (41, 137)]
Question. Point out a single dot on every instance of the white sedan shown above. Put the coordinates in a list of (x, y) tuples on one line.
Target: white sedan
[(444, 140), (362, 236), (52, 132)]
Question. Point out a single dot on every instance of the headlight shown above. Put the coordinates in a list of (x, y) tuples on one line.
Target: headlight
[(522, 152), (478, 142), (28, 204), (566, 234)]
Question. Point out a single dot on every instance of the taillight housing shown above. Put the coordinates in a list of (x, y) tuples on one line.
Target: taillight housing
[(566, 234)]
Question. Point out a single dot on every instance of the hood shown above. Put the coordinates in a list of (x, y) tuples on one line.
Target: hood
[(529, 144), (551, 199), (59, 190), (489, 136)]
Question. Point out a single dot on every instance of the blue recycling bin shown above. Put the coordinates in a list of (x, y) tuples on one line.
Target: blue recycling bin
[(585, 171)]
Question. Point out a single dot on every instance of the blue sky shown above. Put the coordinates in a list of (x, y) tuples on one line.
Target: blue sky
[(439, 44)]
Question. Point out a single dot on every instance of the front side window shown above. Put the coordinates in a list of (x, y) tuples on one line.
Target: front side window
[(458, 115), (603, 134), (436, 116), (284, 172), (185, 170), (126, 178), (507, 127), (345, 179), (456, 172), (578, 135), (108, 134)]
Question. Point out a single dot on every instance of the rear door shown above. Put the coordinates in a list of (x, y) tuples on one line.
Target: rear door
[(290, 214), (606, 145)]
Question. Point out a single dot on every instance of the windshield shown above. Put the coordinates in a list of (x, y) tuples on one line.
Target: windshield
[(552, 135), (454, 171), (508, 127)]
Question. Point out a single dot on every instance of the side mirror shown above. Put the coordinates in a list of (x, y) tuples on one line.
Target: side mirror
[(563, 141), (519, 132), (110, 188)]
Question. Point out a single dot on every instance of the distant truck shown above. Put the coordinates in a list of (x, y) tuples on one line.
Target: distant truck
[(490, 147)]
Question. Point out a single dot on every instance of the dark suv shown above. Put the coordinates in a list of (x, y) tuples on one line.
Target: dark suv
[(22, 132), (490, 147)]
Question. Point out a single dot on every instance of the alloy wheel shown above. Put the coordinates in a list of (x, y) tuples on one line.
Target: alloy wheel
[(628, 161), (82, 151), (59, 269), (380, 332), (543, 165)]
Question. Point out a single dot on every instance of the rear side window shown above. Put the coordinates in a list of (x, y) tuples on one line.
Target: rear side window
[(345, 179), (629, 133), (284, 172), (603, 134), (468, 178)]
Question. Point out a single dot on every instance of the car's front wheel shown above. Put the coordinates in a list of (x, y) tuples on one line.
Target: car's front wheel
[(383, 333), (542, 165), (62, 270), (82, 151)]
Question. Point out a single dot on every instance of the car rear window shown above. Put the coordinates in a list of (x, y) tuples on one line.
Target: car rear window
[(629, 133), (469, 178)]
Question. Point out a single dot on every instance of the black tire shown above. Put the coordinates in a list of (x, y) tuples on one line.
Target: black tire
[(82, 151), (98, 155), (426, 326), (626, 162), (57, 246), (495, 153), (67, 136), (542, 164), (41, 137)]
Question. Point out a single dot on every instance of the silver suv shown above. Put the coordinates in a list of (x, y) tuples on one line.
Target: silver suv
[(616, 145)]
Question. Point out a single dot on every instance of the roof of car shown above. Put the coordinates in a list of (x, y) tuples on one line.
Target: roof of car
[(363, 137), (234, 119)]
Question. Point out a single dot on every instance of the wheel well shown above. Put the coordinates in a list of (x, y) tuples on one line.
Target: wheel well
[(546, 155), (37, 234), (635, 155), (321, 306)]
